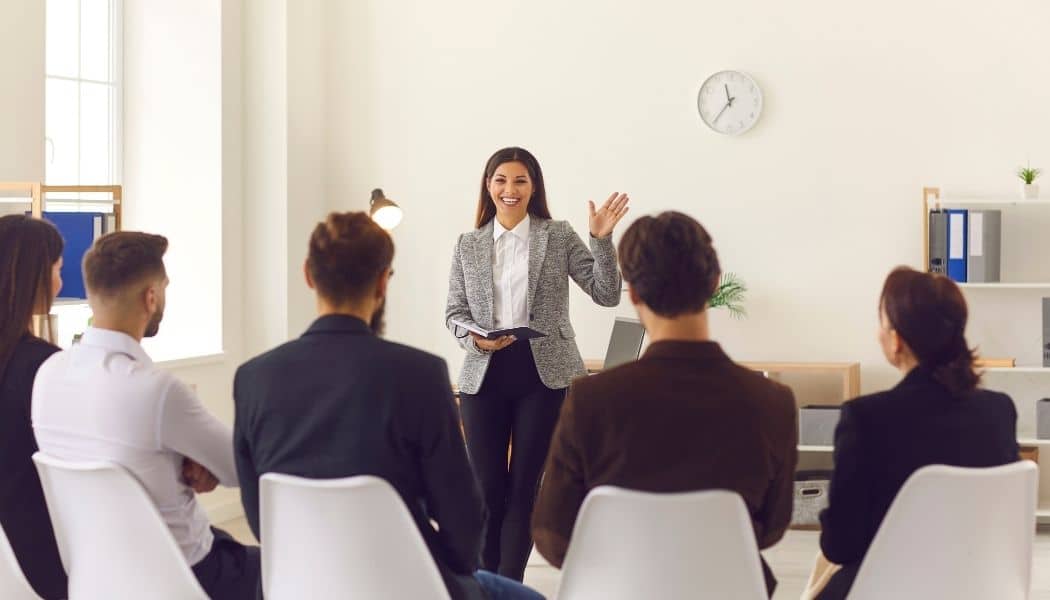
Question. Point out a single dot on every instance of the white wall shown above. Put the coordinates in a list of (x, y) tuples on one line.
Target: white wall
[(22, 90), (173, 179), (864, 104)]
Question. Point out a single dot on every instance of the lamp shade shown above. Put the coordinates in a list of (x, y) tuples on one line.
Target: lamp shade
[(384, 211)]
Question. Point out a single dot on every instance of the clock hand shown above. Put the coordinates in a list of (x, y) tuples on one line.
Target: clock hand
[(727, 93), (715, 120)]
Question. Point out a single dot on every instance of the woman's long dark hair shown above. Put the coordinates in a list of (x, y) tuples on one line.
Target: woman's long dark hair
[(29, 249), (929, 313), (538, 203)]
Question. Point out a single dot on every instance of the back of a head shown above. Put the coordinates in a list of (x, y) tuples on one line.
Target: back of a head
[(929, 313), (29, 249), (121, 262), (348, 252), (670, 263)]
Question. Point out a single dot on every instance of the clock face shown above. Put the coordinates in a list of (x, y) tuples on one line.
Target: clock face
[(730, 102)]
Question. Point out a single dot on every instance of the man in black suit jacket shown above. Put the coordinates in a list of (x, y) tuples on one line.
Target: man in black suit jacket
[(340, 401)]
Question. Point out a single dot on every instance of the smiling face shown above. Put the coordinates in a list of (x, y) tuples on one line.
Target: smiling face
[(510, 189)]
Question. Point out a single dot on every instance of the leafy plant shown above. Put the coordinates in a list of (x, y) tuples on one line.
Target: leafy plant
[(730, 295), (1028, 174)]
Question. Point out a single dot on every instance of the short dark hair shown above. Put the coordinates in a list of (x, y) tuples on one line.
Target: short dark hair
[(537, 204), (669, 262), (122, 259), (929, 313), (348, 253)]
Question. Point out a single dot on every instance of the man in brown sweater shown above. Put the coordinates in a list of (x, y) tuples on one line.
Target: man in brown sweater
[(684, 417)]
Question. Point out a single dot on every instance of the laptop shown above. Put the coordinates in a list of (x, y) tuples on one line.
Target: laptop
[(625, 343)]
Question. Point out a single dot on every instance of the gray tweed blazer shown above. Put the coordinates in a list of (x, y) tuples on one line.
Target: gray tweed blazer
[(556, 253)]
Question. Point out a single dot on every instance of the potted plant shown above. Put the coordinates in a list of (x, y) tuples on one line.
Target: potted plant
[(1028, 175), (730, 295)]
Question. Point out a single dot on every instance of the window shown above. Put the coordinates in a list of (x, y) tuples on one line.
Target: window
[(82, 115), (83, 92)]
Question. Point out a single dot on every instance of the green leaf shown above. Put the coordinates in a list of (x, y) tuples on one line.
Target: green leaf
[(730, 295)]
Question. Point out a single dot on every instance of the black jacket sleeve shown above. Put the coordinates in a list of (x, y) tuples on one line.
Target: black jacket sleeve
[(453, 498), (242, 455), (845, 525)]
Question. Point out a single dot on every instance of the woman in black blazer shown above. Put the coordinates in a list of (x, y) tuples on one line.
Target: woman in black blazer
[(935, 415), (30, 261)]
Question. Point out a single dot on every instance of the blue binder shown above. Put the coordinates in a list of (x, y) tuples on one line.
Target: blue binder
[(958, 243), (79, 230)]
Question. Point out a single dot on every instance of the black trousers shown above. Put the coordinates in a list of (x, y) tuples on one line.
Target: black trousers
[(231, 570), (512, 412)]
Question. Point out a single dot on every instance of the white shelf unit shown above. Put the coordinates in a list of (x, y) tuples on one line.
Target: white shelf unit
[(986, 201), (1005, 286), (1026, 282)]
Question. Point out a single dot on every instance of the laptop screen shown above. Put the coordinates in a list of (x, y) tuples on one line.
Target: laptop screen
[(625, 343)]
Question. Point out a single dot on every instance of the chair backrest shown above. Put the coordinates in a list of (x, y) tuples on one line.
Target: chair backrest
[(112, 541), (13, 583), (957, 533), (342, 538), (628, 545)]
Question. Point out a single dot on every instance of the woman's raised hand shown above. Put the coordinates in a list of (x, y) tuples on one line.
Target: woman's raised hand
[(604, 219)]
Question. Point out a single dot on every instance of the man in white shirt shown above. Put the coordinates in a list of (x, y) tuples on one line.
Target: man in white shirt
[(104, 400)]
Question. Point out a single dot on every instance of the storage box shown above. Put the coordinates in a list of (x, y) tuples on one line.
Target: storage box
[(1042, 419), (816, 425), (811, 497)]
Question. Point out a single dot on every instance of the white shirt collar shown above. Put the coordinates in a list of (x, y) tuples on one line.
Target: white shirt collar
[(520, 231), (115, 341)]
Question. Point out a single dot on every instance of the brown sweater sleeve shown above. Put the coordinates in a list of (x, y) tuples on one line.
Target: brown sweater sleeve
[(563, 489), (775, 514)]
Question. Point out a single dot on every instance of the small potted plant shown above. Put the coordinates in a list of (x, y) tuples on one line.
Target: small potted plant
[(1028, 175), (730, 295)]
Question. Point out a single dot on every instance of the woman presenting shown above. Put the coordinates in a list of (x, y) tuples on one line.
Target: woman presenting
[(512, 270)]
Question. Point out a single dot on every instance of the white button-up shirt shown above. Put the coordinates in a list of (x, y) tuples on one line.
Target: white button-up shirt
[(510, 275), (104, 400)]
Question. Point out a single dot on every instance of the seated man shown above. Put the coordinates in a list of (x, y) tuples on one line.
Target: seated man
[(104, 400), (682, 418), (340, 401)]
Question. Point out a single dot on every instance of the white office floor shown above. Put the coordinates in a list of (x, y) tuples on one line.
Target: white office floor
[(791, 560)]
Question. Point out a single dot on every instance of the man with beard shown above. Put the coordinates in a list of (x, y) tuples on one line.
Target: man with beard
[(340, 401), (105, 400)]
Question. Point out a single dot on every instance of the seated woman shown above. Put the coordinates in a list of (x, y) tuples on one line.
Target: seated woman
[(30, 266), (935, 415)]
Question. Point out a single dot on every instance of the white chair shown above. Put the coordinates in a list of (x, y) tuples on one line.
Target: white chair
[(342, 538), (958, 533), (13, 583), (628, 545), (112, 541)]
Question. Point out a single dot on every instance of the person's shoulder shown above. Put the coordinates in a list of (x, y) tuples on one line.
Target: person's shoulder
[(32, 351), (610, 384), (997, 401)]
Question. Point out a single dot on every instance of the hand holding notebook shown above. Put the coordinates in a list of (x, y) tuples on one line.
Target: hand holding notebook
[(521, 333)]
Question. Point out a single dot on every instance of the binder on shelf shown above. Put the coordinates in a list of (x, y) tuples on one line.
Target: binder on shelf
[(985, 244), (79, 230), (1046, 332), (957, 244), (938, 242)]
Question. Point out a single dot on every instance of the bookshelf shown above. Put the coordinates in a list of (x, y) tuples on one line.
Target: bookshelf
[(35, 195), (1006, 312)]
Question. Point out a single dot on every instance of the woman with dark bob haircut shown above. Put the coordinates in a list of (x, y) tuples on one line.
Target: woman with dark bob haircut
[(936, 415), (30, 262)]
